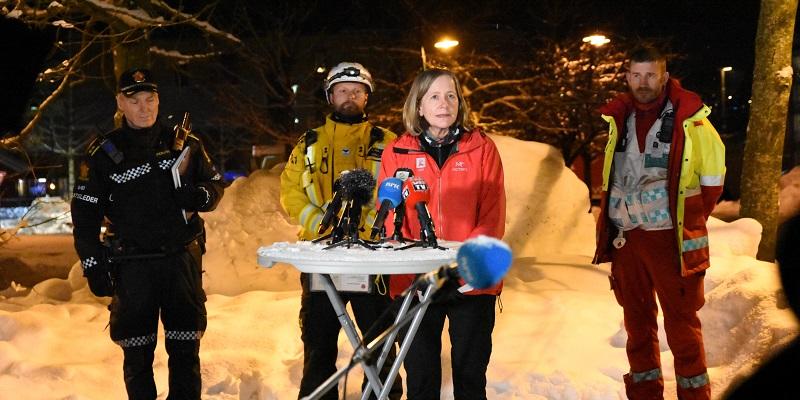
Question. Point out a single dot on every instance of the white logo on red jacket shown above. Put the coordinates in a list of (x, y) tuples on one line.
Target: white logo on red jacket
[(420, 162), (460, 166)]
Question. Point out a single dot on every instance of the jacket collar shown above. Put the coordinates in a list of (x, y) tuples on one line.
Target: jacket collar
[(685, 103), (468, 141)]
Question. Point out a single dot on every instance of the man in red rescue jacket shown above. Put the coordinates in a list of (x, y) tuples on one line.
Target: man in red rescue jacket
[(663, 173)]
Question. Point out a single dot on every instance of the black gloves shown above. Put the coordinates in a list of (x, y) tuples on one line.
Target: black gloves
[(192, 198), (98, 274)]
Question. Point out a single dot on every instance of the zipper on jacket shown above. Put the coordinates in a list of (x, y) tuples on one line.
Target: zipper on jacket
[(439, 181)]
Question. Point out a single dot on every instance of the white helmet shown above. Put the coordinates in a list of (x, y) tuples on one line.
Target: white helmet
[(347, 72)]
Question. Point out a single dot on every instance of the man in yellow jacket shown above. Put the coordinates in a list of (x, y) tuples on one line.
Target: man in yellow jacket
[(346, 141), (663, 173)]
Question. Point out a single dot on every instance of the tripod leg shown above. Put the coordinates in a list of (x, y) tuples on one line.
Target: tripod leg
[(406, 345)]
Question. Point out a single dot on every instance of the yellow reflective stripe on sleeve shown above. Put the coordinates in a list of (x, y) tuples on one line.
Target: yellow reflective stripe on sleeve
[(369, 220), (313, 224), (308, 214), (312, 191)]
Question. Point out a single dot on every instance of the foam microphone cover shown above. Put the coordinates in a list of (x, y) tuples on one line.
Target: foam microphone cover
[(358, 185), (483, 261), (391, 189), (415, 190)]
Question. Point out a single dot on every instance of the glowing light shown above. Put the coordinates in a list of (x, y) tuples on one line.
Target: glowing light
[(446, 43), (596, 40)]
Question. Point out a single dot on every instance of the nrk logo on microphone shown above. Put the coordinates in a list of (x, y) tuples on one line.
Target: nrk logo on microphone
[(394, 185)]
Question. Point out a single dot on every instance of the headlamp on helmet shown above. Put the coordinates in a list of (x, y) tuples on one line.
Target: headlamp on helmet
[(347, 72)]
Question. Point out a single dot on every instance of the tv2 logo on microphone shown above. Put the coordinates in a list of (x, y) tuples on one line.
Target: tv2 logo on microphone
[(419, 186)]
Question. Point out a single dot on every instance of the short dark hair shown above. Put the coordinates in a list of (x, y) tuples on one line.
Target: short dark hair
[(646, 53)]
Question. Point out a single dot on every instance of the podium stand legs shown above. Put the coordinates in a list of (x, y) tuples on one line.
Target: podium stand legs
[(387, 338)]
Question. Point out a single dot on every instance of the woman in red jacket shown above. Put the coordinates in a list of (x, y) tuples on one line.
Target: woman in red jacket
[(465, 177)]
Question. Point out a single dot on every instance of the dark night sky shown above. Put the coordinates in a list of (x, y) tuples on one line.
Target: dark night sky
[(706, 34), (703, 35)]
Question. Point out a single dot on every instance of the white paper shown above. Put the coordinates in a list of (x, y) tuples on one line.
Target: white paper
[(176, 176)]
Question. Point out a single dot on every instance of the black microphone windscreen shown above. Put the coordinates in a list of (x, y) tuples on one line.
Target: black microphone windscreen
[(358, 185)]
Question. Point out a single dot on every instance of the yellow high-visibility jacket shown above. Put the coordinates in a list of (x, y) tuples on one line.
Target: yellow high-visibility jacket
[(316, 162), (696, 173)]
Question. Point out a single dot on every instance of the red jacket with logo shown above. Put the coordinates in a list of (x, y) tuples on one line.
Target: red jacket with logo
[(467, 194)]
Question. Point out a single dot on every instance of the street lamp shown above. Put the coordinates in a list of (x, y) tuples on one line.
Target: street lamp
[(444, 44), (596, 40), (722, 97)]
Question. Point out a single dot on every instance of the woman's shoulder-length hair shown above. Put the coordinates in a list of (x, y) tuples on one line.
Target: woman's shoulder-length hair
[(415, 124)]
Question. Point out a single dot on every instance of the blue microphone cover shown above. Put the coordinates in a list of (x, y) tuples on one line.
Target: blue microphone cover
[(391, 189), (483, 261)]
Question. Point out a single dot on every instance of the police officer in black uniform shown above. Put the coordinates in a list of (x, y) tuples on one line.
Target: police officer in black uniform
[(150, 260)]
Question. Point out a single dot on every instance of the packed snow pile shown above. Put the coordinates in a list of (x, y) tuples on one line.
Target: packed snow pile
[(45, 215), (547, 213), (249, 216), (548, 209)]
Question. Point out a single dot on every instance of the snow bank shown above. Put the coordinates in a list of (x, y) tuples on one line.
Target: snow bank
[(548, 209)]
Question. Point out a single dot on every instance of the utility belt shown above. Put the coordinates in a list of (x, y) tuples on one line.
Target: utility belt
[(119, 251)]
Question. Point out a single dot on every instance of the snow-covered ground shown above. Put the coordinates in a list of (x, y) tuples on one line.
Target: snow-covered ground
[(559, 335)]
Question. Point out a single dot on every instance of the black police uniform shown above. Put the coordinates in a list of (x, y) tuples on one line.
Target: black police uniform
[(154, 265)]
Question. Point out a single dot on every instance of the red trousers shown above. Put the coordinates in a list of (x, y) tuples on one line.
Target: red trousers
[(647, 266)]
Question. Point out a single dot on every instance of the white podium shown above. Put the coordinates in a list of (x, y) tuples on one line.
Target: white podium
[(311, 258)]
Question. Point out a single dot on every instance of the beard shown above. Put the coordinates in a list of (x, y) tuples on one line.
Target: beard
[(349, 109), (645, 95)]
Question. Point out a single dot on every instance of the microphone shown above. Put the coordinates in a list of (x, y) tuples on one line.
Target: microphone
[(390, 196), (417, 195), (400, 210), (403, 173), (330, 216), (481, 262), (357, 188)]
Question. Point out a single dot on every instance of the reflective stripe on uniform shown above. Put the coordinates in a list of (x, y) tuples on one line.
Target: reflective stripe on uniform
[(136, 341), (711, 180), (183, 335), (88, 263), (369, 220), (695, 244), (692, 382), (650, 375), (307, 215)]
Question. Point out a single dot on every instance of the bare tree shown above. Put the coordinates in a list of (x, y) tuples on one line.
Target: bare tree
[(551, 96), (91, 31), (772, 78), (260, 87)]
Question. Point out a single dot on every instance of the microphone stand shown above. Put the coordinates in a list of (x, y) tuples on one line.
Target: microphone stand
[(428, 239), (346, 232), (366, 353), (399, 216)]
